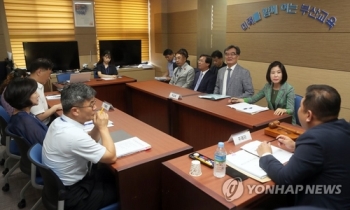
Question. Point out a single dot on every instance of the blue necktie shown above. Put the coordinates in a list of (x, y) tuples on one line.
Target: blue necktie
[(199, 81), (228, 77)]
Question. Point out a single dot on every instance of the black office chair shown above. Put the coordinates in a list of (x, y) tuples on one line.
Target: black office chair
[(54, 191), (297, 102), (26, 167)]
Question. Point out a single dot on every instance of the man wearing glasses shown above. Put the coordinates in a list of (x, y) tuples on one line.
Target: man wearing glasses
[(67, 150), (233, 80)]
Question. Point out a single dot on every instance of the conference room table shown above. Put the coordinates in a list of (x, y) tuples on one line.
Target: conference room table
[(139, 174), (202, 122), (112, 91), (198, 122), (183, 191), (149, 102)]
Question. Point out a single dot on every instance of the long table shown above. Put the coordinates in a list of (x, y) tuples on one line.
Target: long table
[(139, 174), (112, 91), (149, 102), (198, 122), (183, 191), (201, 122)]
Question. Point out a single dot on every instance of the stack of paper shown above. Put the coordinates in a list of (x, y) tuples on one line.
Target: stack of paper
[(160, 78), (248, 108), (89, 125), (247, 159), (213, 96), (53, 97), (130, 146)]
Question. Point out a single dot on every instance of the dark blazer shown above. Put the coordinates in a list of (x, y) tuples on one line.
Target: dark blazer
[(207, 84), (215, 69), (112, 70), (321, 158)]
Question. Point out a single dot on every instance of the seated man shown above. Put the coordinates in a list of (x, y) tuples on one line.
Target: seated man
[(67, 149), (233, 80), (204, 79), (40, 71), (171, 64), (321, 154), (184, 73), (218, 61)]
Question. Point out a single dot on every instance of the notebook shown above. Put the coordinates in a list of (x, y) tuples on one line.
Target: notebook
[(213, 96), (248, 108), (80, 77)]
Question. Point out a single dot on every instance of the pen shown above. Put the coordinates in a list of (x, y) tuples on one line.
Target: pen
[(101, 110)]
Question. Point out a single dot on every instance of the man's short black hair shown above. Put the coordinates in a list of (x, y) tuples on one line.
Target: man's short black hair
[(19, 91), (323, 100), (238, 51), (40, 63), (208, 59), (168, 52), (216, 54)]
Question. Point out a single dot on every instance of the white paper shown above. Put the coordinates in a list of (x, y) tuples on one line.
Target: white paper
[(248, 108), (160, 78), (108, 78), (213, 96), (53, 97), (246, 162), (130, 146), (281, 155), (89, 125)]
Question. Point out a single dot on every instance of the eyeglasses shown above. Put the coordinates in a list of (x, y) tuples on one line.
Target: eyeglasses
[(230, 54), (92, 104)]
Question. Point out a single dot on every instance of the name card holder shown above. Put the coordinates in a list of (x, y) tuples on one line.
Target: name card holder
[(107, 106), (240, 137), (174, 96)]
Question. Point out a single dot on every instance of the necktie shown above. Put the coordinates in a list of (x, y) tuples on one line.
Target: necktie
[(228, 77), (199, 81)]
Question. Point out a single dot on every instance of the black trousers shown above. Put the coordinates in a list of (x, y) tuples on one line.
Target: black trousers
[(96, 190)]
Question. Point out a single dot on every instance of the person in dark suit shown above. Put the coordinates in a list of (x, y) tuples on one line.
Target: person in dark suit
[(233, 80), (204, 80), (321, 155), (218, 61), (104, 67)]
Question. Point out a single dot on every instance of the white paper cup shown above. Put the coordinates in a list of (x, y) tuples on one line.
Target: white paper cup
[(195, 168)]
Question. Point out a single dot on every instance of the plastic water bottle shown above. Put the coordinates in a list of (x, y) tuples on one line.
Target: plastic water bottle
[(220, 161)]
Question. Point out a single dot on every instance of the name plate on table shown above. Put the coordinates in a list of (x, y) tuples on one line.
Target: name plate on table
[(174, 96), (240, 137), (107, 106)]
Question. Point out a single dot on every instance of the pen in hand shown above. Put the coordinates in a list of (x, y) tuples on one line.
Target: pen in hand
[(101, 110)]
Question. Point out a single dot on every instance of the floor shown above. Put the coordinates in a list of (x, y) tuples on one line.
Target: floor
[(10, 199)]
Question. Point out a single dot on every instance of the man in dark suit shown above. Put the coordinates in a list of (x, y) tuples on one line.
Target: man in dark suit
[(204, 80), (233, 80), (218, 61), (321, 155)]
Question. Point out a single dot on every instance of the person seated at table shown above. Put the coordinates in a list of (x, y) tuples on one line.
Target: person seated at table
[(104, 67), (171, 64), (183, 73), (204, 79), (233, 80), (67, 149), (40, 71), (17, 73), (278, 93), (321, 155), (21, 94), (218, 62)]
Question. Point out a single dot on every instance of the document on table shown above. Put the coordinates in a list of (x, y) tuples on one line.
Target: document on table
[(130, 146), (213, 96), (161, 78), (89, 125), (248, 108), (108, 78), (53, 97)]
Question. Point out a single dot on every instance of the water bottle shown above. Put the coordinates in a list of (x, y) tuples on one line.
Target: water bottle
[(220, 161)]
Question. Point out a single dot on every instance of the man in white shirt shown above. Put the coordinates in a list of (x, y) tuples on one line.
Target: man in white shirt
[(40, 71), (67, 150)]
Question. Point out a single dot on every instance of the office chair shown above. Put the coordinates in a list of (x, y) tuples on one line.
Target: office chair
[(26, 167), (11, 148), (297, 102), (54, 191), (2, 161)]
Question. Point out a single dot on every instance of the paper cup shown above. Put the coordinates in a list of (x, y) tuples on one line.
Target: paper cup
[(195, 168)]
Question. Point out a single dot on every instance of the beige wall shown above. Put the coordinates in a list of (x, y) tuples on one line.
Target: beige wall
[(4, 44)]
